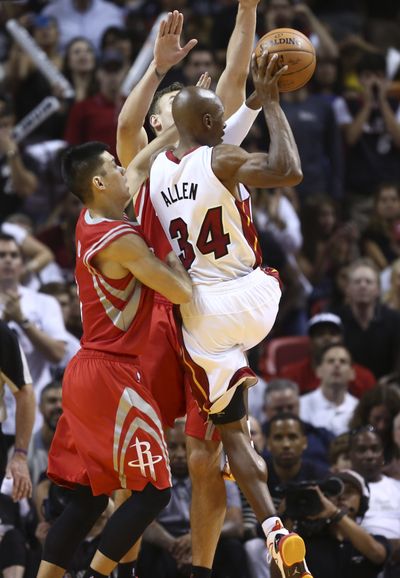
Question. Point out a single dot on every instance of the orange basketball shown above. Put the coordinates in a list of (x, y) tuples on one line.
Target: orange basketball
[(293, 49)]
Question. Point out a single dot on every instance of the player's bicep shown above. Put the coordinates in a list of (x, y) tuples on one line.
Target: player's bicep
[(129, 144), (257, 172)]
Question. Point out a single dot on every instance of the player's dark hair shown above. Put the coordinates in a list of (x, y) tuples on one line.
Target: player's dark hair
[(284, 417), (79, 164)]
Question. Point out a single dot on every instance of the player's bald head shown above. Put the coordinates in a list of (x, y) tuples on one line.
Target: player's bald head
[(194, 110)]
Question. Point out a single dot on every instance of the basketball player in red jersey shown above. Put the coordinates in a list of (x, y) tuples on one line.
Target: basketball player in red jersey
[(110, 435), (163, 364)]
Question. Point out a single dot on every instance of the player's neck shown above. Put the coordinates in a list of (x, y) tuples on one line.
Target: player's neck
[(114, 213), (184, 147)]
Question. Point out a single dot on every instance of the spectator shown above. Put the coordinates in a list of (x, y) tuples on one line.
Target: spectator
[(59, 234), (95, 118), (30, 86), (200, 59), (282, 396), (76, 18), (79, 67), (61, 292), (119, 39), (286, 442), (325, 329), (340, 546), (166, 546), (371, 128), (287, 14), (383, 514), (51, 409), (381, 239), (35, 254), (339, 453), (17, 177), (371, 330), (36, 318), (327, 246), (317, 135), (331, 405), (392, 469), (378, 407), (392, 296)]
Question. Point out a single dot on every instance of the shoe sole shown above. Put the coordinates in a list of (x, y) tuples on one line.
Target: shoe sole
[(292, 550)]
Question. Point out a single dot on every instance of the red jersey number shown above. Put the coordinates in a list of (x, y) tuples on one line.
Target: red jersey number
[(211, 239)]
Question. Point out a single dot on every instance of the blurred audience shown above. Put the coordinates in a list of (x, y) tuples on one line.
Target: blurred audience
[(331, 405), (325, 329), (282, 396), (76, 18), (371, 329), (378, 407), (95, 117)]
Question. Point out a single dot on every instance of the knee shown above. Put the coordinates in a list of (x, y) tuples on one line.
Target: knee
[(204, 462), (153, 499)]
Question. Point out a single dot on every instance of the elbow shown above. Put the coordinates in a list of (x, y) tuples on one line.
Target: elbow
[(183, 295), (293, 177)]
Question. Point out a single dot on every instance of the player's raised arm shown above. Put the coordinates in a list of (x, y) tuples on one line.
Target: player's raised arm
[(139, 168), (131, 253), (281, 166), (131, 136), (231, 87)]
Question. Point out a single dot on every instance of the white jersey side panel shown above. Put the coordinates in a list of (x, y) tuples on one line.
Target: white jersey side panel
[(208, 228)]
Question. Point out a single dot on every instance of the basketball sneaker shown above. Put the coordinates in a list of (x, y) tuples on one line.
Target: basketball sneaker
[(288, 550)]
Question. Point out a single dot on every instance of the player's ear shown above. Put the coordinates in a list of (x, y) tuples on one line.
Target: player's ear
[(98, 182), (155, 122), (207, 120)]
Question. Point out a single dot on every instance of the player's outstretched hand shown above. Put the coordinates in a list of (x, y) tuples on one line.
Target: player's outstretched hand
[(266, 76), (204, 81), (167, 49)]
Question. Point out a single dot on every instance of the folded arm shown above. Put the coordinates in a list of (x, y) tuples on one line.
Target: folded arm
[(130, 253)]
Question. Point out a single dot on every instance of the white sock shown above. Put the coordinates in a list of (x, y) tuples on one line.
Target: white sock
[(269, 524)]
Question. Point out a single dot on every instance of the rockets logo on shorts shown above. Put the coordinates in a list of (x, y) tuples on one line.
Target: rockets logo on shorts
[(138, 427), (145, 458)]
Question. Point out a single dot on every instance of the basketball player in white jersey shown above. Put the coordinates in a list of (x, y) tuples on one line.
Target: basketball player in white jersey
[(163, 366), (205, 212)]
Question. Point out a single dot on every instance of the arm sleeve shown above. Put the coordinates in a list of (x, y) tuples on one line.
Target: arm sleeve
[(238, 125)]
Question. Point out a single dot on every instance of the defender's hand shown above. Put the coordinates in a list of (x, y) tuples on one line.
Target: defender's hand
[(167, 49)]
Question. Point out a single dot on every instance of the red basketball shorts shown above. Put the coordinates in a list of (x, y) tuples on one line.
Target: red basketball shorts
[(110, 434), (164, 373)]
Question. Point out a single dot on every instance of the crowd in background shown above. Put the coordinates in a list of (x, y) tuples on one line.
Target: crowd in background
[(335, 240)]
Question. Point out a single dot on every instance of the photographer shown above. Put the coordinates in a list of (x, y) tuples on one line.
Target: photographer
[(336, 544)]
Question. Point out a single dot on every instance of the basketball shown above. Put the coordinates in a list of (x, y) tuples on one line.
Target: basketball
[(294, 50)]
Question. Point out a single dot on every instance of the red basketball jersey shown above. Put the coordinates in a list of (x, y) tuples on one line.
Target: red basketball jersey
[(116, 313), (150, 224)]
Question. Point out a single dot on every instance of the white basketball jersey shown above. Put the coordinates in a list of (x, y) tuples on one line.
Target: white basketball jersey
[(211, 231)]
